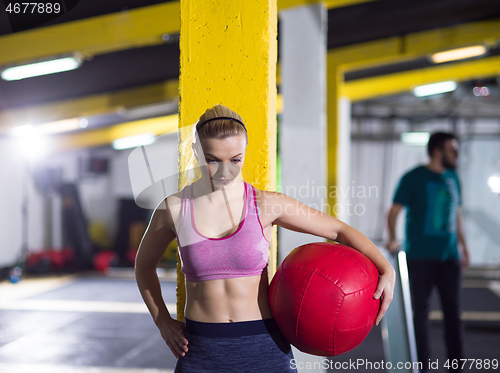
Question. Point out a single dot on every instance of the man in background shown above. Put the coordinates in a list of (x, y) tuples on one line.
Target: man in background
[(431, 195)]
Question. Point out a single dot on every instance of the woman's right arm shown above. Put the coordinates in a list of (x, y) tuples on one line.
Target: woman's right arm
[(158, 236)]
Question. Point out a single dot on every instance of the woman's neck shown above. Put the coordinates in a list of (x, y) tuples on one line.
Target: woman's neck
[(204, 187)]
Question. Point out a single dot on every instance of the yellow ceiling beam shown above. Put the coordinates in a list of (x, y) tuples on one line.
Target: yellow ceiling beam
[(356, 90), (104, 103), (96, 35), (98, 104), (329, 4), (415, 45), (145, 26), (105, 136), (110, 32), (384, 85)]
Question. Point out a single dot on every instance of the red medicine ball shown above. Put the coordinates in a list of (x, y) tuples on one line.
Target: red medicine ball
[(322, 298)]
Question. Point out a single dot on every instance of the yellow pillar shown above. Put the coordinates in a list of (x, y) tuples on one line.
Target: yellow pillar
[(228, 56), (335, 85)]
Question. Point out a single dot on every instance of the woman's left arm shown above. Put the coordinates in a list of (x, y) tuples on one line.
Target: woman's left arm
[(291, 214), (385, 288)]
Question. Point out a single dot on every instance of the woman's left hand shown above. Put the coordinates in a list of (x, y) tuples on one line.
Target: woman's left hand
[(385, 290)]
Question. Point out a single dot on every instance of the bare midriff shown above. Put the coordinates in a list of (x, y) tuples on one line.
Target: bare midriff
[(228, 300)]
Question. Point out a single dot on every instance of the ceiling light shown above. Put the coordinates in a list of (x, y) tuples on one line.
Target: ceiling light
[(84, 123), (415, 138), (42, 68), (48, 128), (435, 88), (146, 111), (29, 141), (24, 130), (494, 184), (133, 141), (459, 54), (33, 147), (59, 126)]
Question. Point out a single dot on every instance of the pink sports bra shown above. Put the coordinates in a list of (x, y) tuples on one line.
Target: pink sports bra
[(243, 253)]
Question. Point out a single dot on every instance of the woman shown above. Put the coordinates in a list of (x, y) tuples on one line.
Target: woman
[(223, 226)]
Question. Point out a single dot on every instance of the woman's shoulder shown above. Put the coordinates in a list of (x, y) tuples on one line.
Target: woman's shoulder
[(171, 203), (167, 212), (263, 195), (174, 200), (176, 197)]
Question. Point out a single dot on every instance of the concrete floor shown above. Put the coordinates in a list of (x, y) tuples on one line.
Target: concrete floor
[(82, 323), (90, 323)]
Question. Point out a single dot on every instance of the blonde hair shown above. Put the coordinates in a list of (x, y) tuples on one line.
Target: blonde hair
[(220, 129)]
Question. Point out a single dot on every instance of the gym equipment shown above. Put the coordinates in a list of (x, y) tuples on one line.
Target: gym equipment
[(75, 225), (322, 298), (105, 259), (398, 334), (131, 220)]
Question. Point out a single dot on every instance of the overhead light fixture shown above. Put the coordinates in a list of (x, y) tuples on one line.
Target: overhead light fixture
[(494, 184), (23, 130), (415, 138), (133, 141), (83, 122), (434, 89), (34, 146), (459, 54), (30, 142), (147, 111), (49, 128), (59, 126), (46, 67)]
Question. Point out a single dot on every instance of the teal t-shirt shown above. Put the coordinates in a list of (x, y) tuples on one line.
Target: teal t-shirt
[(431, 201)]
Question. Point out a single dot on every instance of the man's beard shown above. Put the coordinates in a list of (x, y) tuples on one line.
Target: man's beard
[(448, 165)]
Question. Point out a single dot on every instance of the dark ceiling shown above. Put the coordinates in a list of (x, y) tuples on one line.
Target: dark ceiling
[(140, 66), (385, 18)]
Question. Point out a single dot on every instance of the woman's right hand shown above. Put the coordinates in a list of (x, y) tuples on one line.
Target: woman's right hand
[(393, 246), (172, 331)]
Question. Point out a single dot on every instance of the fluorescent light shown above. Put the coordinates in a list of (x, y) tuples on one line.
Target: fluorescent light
[(48, 128), (415, 138), (459, 54), (24, 130), (59, 126), (33, 147), (153, 110), (41, 68), (133, 141), (83, 122), (435, 88), (494, 184), (29, 141)]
